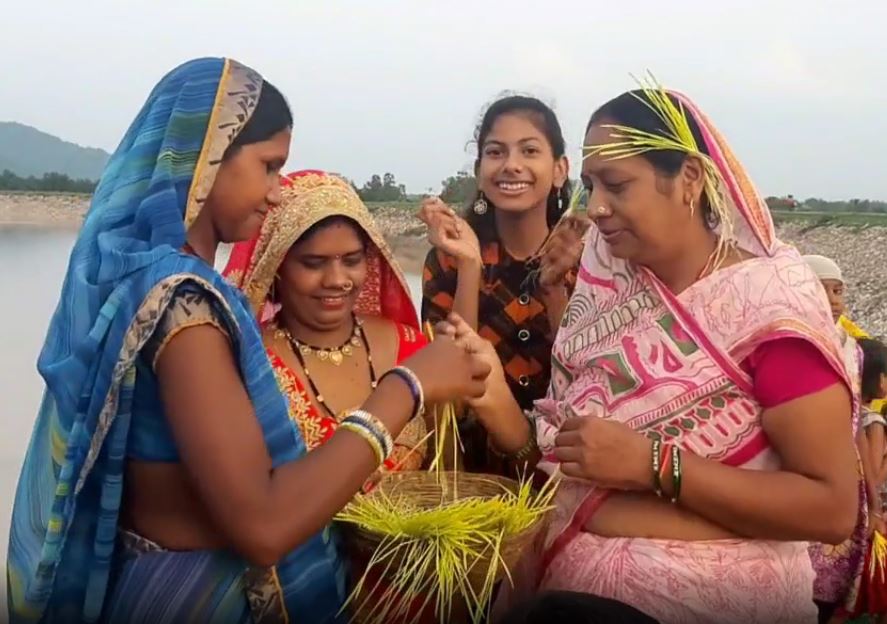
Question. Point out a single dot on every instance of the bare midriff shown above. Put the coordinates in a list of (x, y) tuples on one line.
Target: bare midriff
[(161, 505)]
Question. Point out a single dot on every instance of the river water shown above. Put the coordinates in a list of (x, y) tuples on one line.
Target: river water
[(32, 266)]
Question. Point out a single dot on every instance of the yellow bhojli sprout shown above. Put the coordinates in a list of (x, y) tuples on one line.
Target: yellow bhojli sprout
[(879, 556), (575, 205), (628, 142), (442, 545), (573, 209), (430, 553), (446, 422)]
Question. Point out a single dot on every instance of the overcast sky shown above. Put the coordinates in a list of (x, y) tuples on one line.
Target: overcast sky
[(799, 87)]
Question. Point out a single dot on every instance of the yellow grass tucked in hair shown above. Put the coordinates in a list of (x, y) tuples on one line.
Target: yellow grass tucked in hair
[(439, 539), (575, 205), (678, 136)]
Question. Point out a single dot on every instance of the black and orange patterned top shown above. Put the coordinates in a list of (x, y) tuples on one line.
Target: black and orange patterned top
[(509, 316)]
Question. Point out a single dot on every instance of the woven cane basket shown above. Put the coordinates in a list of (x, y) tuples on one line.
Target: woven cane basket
[(428, 490)]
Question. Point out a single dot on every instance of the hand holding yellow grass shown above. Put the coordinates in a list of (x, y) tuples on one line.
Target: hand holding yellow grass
[(555, 258), (440, 538)]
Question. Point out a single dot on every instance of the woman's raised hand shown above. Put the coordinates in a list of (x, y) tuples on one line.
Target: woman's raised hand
[(562, 250), (457, 329), (448, 232), (607, 453), (449, 370)]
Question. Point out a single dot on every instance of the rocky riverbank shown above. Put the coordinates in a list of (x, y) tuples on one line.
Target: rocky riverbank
[(862, 255), (861, 251)]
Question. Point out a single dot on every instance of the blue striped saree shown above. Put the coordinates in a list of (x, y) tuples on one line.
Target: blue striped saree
[(68, 560)]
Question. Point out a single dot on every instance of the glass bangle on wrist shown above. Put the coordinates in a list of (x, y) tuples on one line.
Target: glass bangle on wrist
[(524, 452), (364, 421), (415, 386), (656, 465), (368, 437)]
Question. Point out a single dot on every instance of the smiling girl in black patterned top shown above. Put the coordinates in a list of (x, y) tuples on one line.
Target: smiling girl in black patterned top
[(483, 265)]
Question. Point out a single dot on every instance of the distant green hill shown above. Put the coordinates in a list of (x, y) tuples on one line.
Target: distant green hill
[(27, 151)]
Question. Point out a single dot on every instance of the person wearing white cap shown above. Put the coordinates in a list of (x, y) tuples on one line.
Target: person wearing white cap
[(870, 438), (829, 273)]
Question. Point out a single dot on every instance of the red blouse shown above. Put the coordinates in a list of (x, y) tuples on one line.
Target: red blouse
[(786, 369)]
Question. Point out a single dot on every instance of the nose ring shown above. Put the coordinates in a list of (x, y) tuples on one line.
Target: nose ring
[(601, 210), (348, 286)]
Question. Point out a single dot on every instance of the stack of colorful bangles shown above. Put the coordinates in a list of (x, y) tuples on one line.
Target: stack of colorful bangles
[(373, 430), (666, 456)]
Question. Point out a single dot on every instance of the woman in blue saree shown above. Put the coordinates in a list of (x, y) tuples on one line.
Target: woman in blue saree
[(164, 481)]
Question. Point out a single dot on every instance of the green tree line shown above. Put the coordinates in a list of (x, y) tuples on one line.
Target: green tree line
[(461, 188), (456, 189), (381, 189), (48, 183), (813, 204)]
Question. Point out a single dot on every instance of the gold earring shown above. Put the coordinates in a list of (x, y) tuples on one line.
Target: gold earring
[(692, 206)]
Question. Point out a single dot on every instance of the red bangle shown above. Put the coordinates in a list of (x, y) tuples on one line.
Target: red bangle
[(664, 461)]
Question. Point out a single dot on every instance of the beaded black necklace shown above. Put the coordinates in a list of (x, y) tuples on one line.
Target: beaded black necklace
[(358, 338)]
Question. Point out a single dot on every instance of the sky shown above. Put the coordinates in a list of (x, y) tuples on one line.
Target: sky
[(798, 87)]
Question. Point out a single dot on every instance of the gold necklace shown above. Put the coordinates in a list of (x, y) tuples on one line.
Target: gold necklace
[(716, 259), (297, 351), (335, 355)]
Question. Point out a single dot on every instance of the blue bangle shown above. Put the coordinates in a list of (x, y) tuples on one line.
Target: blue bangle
[(385, 443), (412, 382)]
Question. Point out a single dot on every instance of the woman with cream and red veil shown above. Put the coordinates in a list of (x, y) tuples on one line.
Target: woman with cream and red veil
[(333, 304)]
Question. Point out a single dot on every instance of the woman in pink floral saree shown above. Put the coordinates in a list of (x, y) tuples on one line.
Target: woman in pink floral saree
[(699, 409)]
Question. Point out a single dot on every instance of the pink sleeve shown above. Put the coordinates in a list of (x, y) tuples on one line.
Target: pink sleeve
[(786, 369)]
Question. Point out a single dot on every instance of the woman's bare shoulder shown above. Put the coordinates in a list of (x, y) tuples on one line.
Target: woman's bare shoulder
[(382, 334), (378, 326)]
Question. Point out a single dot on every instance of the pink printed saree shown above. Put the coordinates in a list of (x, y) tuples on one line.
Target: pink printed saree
[(669, 366)]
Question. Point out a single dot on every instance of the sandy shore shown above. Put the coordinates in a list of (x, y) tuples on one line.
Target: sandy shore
[(404, 234), (410, 252), (46, 211)]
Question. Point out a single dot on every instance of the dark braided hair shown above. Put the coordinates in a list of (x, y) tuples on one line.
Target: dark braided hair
[(874, 364)]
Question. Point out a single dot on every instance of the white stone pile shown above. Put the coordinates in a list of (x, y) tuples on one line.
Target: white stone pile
[(862, 256)]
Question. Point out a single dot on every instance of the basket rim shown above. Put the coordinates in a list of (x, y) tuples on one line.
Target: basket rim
[(507, 483)]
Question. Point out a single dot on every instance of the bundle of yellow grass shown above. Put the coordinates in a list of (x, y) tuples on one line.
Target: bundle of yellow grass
[(434, 544)]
